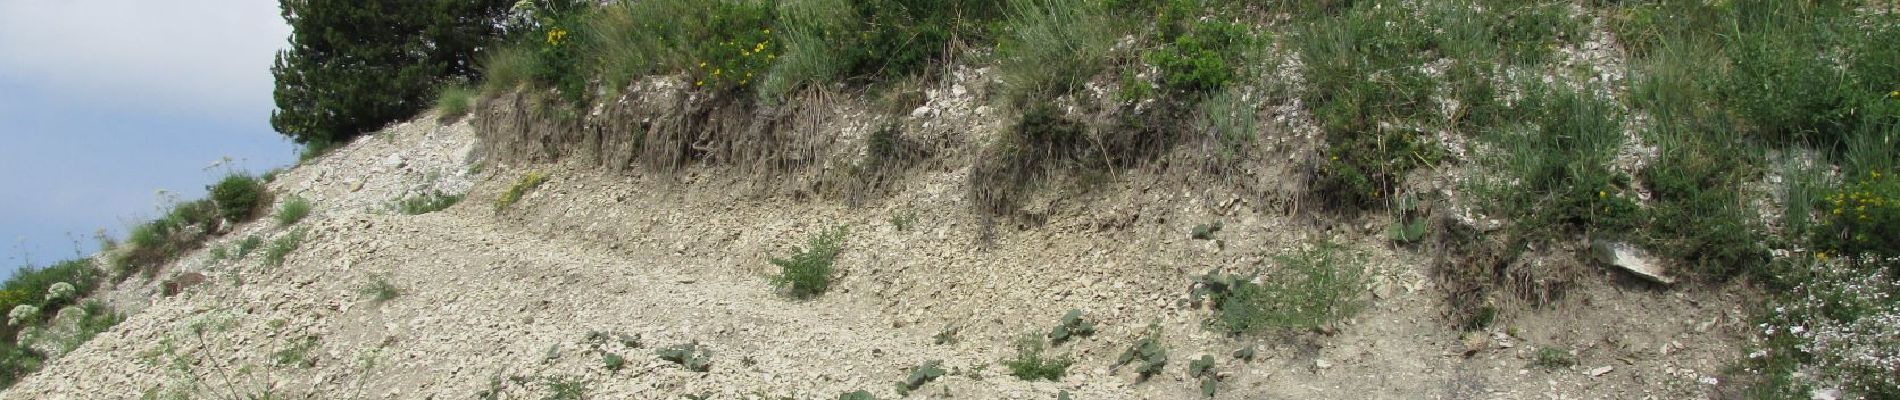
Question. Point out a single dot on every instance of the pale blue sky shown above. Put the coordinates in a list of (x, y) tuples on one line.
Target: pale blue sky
[(105, 102)]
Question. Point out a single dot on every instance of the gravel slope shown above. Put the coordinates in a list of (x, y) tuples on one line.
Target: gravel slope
[(506, 302)]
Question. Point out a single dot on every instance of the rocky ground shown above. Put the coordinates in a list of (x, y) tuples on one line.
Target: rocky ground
[(528, 302)]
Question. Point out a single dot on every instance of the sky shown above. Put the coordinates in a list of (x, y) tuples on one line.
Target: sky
[(103, 103)]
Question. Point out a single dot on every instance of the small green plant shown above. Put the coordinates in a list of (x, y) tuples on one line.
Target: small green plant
[(1247, 354), (1147, 354), (1203, 368), (237, 196), (274, 255), (946, 336), (929, 371), (1072, 326), (689, 355), (1205, 231), (527, 183), (903, 221), (807, 273), (294, 209), (427, 203), (566, 388), (613, 362), (379, 289), (1030, 363), (857, 395), (1553, 358), (220, 253), (297, 354), (1409, 223)]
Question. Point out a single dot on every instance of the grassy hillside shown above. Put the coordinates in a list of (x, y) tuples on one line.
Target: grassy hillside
[(1747, 142)]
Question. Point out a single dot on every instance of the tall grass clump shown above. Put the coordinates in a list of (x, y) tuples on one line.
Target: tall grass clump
[(1554, 170), (1049, 48), (454, 101), (870, 40), (807, 273), (293, 210)]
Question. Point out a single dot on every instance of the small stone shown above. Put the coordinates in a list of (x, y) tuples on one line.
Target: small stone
[(1632, 259), (1322, 364), (1599, 371), (923, 111)]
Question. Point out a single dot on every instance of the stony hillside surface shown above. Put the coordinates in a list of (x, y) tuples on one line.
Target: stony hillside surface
[(528, 301)]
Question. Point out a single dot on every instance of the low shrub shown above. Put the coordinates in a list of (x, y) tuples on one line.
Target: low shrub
[(237, 196), (1553, 358), (1203, 59), (807, 273), (1862, 217)]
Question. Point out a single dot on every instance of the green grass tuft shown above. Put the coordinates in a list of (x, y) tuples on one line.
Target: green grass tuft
[(280, 248), (294, 209), (807, 273), (527, 183)]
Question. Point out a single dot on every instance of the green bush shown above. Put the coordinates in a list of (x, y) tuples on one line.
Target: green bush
[(807, 273), (1835, 327), (1204, 58), (237, 196), (1553, 358), (294, 209)]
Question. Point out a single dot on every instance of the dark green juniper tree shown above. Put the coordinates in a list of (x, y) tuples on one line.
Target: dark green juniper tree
[(354, 66)]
